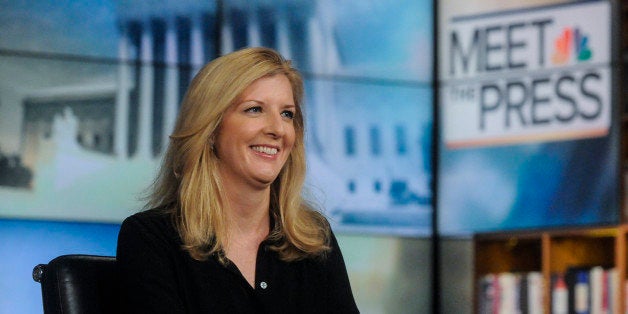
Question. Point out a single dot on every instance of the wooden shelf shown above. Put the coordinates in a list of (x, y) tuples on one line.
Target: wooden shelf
[(551, 252)]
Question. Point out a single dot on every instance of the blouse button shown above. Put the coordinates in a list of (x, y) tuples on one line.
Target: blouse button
[(263, 285)]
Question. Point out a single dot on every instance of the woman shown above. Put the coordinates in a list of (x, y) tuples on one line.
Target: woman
[(228, 231)]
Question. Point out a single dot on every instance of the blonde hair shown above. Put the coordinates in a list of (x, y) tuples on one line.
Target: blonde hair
[(189, 186)]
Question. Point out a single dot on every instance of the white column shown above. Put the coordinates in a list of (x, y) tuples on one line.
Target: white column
[(322, 108), (145, 134), (197, 55), (317, 43), (252, 29), (121, 130), (283, 34), (323, 23), (226, 34), (333, 65), (171, 87)]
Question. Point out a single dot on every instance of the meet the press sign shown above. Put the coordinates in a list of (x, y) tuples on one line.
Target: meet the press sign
[(532, 75)]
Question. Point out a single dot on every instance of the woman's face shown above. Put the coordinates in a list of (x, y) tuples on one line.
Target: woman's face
[(257, 133)]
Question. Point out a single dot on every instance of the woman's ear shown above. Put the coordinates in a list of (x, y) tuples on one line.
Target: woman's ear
[(212, 144)]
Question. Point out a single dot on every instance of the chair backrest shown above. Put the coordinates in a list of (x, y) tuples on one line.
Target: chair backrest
[(79, 284)]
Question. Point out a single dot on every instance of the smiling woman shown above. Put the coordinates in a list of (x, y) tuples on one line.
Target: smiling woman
[(227, 230), (257, 134)]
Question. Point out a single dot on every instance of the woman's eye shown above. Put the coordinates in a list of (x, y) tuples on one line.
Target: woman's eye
[(288, 114), (256, 109)]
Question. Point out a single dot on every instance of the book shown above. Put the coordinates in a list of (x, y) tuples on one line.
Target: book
[(581, 292), (560, 295), (523, 294), (510, 292), (486, 294), (508, 287), (598, 290), (612, 280), (535, 293)]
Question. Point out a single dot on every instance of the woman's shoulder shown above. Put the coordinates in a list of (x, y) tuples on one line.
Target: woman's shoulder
[(155, 216), (152, 223)]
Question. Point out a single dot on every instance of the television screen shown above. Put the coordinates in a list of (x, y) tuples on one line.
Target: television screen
[(89, 91), (528, 131)]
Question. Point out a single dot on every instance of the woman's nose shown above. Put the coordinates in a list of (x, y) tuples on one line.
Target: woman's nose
[(275, 125)]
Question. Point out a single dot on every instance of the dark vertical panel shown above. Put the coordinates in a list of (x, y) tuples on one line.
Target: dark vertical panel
[(134, 33), (183, 51), (159, 57)]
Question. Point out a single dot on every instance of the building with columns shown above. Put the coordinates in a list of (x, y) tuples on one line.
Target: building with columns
[(368, 136)]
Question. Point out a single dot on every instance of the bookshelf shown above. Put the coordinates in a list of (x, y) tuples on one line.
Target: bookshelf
[(550, 252)]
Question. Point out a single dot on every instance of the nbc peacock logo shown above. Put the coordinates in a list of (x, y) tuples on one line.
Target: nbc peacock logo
[(571, 44)]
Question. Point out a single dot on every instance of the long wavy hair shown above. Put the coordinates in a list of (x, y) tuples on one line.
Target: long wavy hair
[(188, 184)]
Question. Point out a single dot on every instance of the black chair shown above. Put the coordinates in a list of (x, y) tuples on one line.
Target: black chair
[(79, 284)]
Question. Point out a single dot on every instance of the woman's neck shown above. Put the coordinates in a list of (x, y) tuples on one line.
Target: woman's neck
[(248, 213)]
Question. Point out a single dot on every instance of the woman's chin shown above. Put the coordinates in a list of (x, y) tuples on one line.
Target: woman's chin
[(265, 180)]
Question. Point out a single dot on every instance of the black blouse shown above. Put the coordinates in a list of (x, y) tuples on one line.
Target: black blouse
[(159, 277)]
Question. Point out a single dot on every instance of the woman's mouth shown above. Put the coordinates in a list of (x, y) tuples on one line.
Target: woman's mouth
[(265, 149)]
